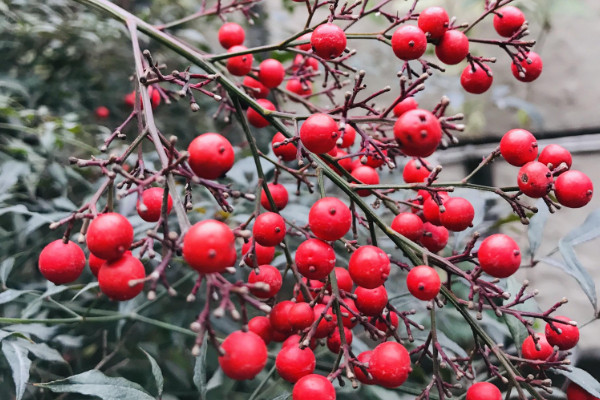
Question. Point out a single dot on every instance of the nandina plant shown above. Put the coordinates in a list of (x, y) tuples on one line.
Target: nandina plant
[(359, 287)]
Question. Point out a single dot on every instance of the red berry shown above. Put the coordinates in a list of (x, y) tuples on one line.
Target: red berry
[(264, 254), (301, 88), (231, 34), (315, 259), (279, 337), (371, 302), (152, 200), (575, 392), (531, 68), (279, 194), (568, 336), (301, 316), (367, 176), (257, 120), (475, 79), (269, 275), (239, 65), (369, 266), (329, 218), (535, 179), (334, 341), (348, 319), (530, 351), (418, 132), (293, 363), (374, 159), (114, 277), (423, 282), (348, 136), (211, 155), (431, 209), (518, 147), (95, 263), (344, 280), (408, 225), (109, 236), (102, 112), (405, 105), (483, 391), (364, 358), (154, 98), (409, 42), (434, 238), (209, 246), (319, 133), (305, 38), (245, 355), (325, 327), (262, 327), (556, 155), (415, 172), (459, 214), (453, 47), (305, 62), (255, 88), (328, 41), (287, 152), (573, 189), (390, 317), (390, 364), (313, 386), (508, 20), (499, 256), (434, 21), (269, 229), (61, 262), (279, 316), (271, 73)]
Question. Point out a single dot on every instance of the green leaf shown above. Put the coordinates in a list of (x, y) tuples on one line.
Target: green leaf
[(5, 269), (158, 376), (95, 383), (581, 378), (9, 295), (200, 371), (41, 351), (19, 364), (87, 287), (535, 230)]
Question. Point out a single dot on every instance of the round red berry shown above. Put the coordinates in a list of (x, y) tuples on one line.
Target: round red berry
[(313, 386), (408, 225), (518, 147), (534, 179), (102, 112), (531, 68), (319, 133), (239, 65), (152, 93), (348, 319), (279, 317), (269, 275), (348, 136), (279, 194), (431, 209), (293, 363), (287, 152), (114, 277), (453, 47), (301, 88), (556, 155), (434, 238), (152, 200), (211, 155), (433, 21), (568, 336), (405, 105), (364, 358), (334, 341), (262, 327), (499, 256), (325, 327), (245, 355), (382, 321), (271, 73), (95, 263), (209, 246), (458, 214), (61, 262), (315, 259), (423, 282), (575, 392), (508, 20), (476, 79), (328, 41), (371, 302), (344, 280), (255, 88), (264, 254), (109, 236), (415, 172), (257, 120), (231, 34), (369, 266), (573, 189), (269, 229), (307, 63), (390, 364), (329, 218), (367, 176), (304, 38), (483, 391), (409, 42), (418, 132), (530, 350), (301, 316)]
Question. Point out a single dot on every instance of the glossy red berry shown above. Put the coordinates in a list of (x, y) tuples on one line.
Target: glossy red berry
[(371, 302), (423, 282), (367, 176), (319, 133), (369, 266), (269, 229), (344, 280), (287, 152), (328, 41), (483, 391), (418, 132), (262, 327), (434, 238), (475, 79), (453, 47), (431, 209), (499, 255), (95, 263), (211, 155), (313, 386), (415, 172), (279, 194), (245, 355), (556, 155), (109, 236), (102, 112), (530, 350), (348, 136), (293, 363), (348, 319), (257, 120), (531, 66), (152, 93), (364, 358), (269, 275), (304, 38), (279, 317), (409, 42), (434, 21), (573, 189), (381, 321), (458, 215), (390, 364), (271, 73), (301, 316), (239, 65), (518, 147), (405, 105), (255, 88), (568, 336), (264, 254), (534, 179), (315, 259), (408, 225), (325, 327), (301, 88), (114, 277), (575, 392), (374, 159), (61, 262), (231, 34), (329, 218), (334, 341), (508, 20), (152, 200), (209, 246), (307, 63)]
